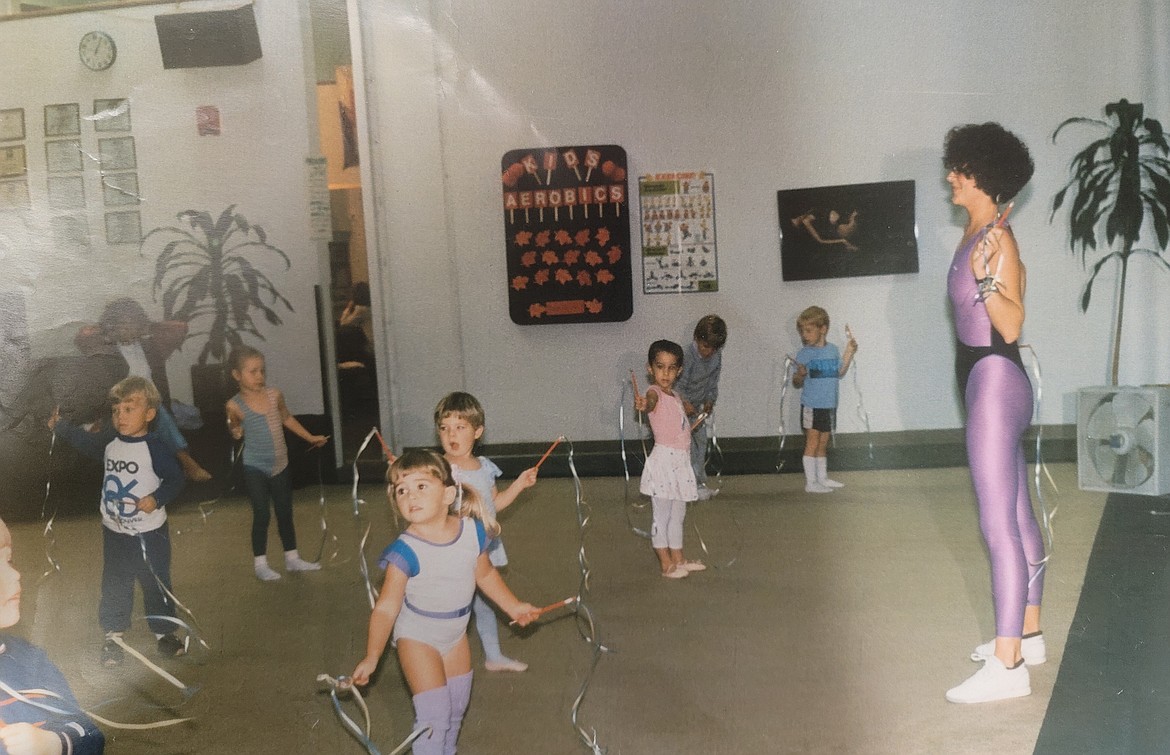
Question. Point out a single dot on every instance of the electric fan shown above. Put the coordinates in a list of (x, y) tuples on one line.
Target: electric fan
[(1123, 438)]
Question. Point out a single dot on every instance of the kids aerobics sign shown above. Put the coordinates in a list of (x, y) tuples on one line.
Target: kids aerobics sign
[(567, 234)]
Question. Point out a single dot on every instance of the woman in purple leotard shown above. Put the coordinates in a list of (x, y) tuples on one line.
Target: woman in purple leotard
[(986, 166)]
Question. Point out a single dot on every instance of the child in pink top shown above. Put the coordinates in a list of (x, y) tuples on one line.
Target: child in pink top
[(667, 477)]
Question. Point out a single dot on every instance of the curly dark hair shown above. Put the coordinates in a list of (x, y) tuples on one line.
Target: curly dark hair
[(996, 158)]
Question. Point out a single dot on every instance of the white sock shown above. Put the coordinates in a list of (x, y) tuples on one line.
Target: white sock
[(811, 483), (823, 473), (264, 571)]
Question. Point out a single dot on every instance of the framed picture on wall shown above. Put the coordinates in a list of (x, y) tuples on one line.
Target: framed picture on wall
[(11, 124), (63, 156), (111, 115), (123, 227), (66, 193), (117, 153), (119, 189), (847, 231), (13, 161), (62, 120)]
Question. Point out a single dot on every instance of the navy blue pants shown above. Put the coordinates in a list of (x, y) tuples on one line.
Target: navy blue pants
[(123, 565), (260, 488)]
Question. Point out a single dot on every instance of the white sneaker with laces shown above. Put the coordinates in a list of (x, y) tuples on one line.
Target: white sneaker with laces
[(1032, 648), (993, 682)]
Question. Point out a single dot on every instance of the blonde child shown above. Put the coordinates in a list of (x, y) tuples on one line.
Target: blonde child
[(141, 476), (25, 728), (432, 572), (258, 415), (459, 421), (819, 369), (668, 478)]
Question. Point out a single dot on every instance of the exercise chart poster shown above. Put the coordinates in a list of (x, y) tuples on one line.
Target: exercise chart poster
[(679, 254), (567, 235), (847, 231)]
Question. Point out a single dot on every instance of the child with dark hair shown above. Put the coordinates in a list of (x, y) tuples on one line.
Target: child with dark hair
[(667, 477), (698, 387), (142, 476), (49, 724)]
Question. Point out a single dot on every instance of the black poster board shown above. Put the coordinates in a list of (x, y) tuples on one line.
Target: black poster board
[(847, 231), (567, 234)]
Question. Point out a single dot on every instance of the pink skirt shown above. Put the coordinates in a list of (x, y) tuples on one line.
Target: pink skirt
[(668, 474)]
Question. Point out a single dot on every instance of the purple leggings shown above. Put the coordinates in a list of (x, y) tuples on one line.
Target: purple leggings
[(999, 409)]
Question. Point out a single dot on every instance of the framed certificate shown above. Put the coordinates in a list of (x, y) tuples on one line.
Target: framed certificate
[(13, 195), (117, 153), (66, 193), (111, 115), (13, 161), (63, 156), (11, 124), (62, 120), (119, 189), (123, 227)]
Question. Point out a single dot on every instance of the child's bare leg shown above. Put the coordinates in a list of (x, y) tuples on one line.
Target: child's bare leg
[(676, 556), (665, 560), (426, 675)]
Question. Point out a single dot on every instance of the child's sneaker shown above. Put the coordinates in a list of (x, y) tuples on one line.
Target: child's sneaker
[(992, 682), (705, 493), (296, 563), (816, 487), (170, 646), (112, 653), (1032, 648), (830, 483), (266, 573)]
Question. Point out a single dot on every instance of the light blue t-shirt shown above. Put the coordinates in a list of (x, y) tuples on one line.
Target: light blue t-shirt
[(824, 369)]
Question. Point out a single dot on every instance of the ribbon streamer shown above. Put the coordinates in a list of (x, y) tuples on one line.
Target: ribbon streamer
[(586, 626), (345, 685), (49, 536), (195, 632), (1046, 516), (146, 661), (358, 519), (862, 414), (24, 697), (781, 431)]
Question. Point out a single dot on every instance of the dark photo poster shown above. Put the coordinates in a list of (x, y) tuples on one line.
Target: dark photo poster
[(847, 231), (567, 235)]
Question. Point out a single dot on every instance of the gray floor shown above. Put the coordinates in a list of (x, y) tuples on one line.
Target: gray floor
[(834, 624)]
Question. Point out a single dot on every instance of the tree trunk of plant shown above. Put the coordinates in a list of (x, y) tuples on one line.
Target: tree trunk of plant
[(1120, 315)]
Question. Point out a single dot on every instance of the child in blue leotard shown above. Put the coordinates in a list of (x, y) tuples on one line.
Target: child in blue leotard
[(432, 571), (459, 421), (258, 415)]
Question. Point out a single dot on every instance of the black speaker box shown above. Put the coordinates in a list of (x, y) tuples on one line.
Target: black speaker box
[(210, 38)]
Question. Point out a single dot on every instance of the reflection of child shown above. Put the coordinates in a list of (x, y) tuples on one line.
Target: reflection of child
[(142, 476), (27, 729), (124, 330), (459, 421), (258, 414), (819, 367), (432, 572), (667, 477), (698, 387)]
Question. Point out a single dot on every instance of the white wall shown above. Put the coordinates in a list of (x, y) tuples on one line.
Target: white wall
[(769, 95), (258, 163)]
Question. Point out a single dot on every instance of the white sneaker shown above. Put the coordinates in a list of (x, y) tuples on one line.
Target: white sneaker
[(992, 682), (831, 483), (300, 564), (266, 573), (816, 487), (706, 493), (1032, 648)]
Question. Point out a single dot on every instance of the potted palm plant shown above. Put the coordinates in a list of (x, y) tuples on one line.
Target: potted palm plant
[(206, 275), (1119, 180)]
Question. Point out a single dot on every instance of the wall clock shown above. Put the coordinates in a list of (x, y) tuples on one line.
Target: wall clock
[(97, 50)]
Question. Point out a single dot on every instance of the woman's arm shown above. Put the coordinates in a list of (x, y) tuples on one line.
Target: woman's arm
[(1005, 305)]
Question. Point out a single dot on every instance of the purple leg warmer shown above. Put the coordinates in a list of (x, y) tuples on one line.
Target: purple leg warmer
[(432, 708), (459, 688), (999, 410)]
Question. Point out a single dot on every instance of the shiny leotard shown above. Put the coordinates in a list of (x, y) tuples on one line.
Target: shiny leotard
[(998, 400)]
